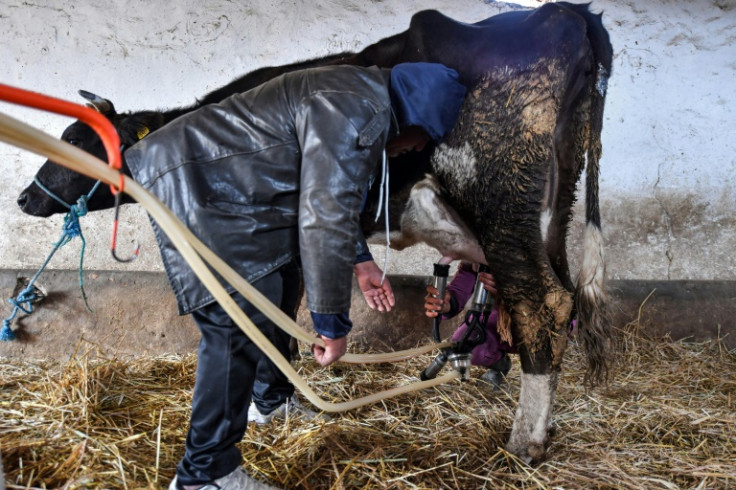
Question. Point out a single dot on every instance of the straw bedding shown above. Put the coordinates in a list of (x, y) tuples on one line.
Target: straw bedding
[(666, 420)]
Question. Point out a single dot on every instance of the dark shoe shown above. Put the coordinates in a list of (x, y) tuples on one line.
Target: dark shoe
[(503, 365), (496, 374)]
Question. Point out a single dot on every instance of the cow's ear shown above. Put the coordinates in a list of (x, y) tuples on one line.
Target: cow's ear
[(137, 126), (103, 106)]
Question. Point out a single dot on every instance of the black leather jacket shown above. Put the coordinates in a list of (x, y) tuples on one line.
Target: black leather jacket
[(271, 174)]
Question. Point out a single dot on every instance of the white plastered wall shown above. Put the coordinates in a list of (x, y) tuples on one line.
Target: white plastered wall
[(668, 170)]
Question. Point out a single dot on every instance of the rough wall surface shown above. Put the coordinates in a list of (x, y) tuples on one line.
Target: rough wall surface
[(668, 168)]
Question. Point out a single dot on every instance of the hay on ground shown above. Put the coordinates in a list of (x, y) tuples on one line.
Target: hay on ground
[(666, 420)]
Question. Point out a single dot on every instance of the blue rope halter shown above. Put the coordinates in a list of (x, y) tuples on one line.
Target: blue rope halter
[(71, 228)]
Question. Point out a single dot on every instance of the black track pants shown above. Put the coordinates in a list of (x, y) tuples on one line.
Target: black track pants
[(226, 373), (272, 388)]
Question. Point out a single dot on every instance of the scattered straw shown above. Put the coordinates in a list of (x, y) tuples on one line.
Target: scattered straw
[(666, 420)]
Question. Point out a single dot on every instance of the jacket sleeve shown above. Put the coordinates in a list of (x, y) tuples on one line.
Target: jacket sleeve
[(341, 136), (362, 252)]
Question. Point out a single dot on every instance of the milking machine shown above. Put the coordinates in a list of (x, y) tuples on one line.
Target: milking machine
[(459, 353), (441, 271)]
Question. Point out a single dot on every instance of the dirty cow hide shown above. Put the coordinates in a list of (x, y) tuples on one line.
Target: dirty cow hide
[(499, 190)]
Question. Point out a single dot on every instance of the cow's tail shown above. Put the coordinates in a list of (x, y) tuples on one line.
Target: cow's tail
[(594, 325)]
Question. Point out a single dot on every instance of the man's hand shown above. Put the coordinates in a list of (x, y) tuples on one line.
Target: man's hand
[(434, 305), (331, 352), (377, 296)]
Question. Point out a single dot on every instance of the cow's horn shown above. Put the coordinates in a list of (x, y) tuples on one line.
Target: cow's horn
[(98, 103)]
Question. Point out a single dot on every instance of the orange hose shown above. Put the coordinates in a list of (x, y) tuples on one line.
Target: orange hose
[(102, 126)]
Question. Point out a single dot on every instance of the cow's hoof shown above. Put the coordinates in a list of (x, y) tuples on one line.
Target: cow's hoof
[(537, 452), (532, 453)]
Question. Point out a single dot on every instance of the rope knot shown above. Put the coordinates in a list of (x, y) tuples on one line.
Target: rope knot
[(71, 227), (80, 209), (28, 296)]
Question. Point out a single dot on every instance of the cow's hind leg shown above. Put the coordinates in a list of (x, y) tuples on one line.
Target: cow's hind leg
[(541, 329), (529, 437)]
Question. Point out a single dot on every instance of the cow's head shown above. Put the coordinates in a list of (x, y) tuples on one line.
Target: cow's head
[(68, 185)]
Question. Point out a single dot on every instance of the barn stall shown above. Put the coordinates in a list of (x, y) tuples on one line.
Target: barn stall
[(665, 420)]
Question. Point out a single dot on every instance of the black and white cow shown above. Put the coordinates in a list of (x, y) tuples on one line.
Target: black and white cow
[(505, 176)]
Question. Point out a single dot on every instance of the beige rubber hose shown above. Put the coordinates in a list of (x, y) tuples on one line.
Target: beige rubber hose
[(193, 250)]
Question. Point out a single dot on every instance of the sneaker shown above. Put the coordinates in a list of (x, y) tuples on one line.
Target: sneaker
[(496, 374), (292, 407), (239, 479)]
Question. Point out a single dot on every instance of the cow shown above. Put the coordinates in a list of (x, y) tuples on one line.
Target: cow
[(503, 181)]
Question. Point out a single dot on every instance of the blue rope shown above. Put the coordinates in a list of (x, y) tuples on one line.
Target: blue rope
[(70, 230)]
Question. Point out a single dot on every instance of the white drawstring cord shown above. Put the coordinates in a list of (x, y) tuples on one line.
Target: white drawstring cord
[(381, 197)]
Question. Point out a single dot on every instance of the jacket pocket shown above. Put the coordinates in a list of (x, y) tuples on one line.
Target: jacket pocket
[(374, 129)]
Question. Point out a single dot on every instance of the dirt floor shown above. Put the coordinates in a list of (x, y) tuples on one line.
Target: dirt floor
[(134, 314)]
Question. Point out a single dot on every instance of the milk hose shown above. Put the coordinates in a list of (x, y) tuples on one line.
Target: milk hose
[(193, 250)]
